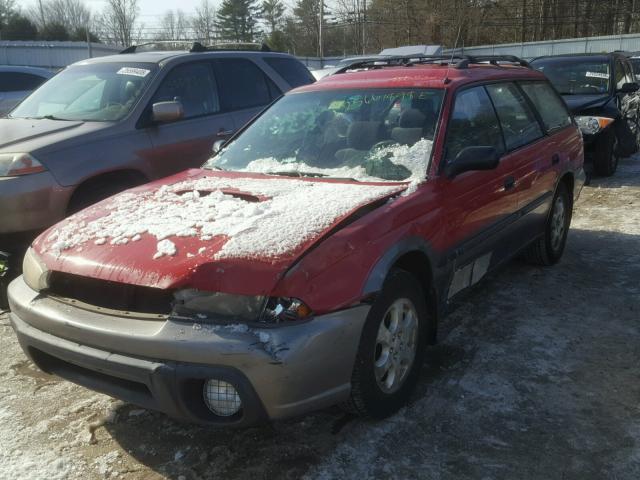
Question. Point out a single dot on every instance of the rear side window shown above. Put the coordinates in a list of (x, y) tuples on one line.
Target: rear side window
[(550, 107), (18, 82), (291, 70), (473, 123), (243, 84), (519, 123), (193, 85)]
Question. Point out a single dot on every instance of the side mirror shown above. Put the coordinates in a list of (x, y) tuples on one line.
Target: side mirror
[(166, 112), (217, 146), (630, 87), (473, 158)]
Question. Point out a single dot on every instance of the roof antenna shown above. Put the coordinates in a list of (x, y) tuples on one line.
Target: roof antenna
[(447, 80)]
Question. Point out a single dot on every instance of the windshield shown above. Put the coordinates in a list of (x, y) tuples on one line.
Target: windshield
[(581, 76), (96, 92), (366, 135)]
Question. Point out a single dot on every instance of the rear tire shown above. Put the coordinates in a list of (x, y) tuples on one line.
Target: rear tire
[(391, 350), (94, 191), (548, 249), (605, 160)]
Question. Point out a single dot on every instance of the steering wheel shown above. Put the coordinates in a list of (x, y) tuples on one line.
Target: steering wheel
[(382, 144)]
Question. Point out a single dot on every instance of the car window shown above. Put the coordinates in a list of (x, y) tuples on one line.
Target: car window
[(473, 123), (194, 86), (243, 84), (628, 71), (519, 123), (291, 70), (19, 82), (620, 74), (551, 108)]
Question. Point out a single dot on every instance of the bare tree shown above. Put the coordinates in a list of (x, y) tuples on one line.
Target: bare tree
[(174, 26), (204, 22), (118, 22), (73, 14)]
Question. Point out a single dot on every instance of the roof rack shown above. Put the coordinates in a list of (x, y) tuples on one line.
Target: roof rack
[(196, 47), (457, 61)]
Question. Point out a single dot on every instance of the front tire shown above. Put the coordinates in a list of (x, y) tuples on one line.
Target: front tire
[(605, 160), (548, 249), (392, 347)]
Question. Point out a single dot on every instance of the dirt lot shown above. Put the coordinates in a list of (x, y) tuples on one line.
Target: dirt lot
[(537, 376)]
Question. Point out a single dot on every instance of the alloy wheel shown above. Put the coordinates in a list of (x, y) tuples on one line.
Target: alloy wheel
[(396, 345)]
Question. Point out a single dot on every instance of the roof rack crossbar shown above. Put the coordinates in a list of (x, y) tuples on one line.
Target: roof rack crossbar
[(196, 47)]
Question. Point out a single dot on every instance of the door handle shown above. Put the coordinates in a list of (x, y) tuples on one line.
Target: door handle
[(224, 133), (555, 159), (509, 183)]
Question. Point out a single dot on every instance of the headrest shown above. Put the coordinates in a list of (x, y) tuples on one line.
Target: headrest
[(411, 118), (363, 135)]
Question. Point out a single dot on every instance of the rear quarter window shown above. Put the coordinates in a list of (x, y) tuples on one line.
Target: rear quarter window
[(291, 70), (551, 108)]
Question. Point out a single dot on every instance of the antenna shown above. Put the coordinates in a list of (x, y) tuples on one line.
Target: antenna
[(453, 52)]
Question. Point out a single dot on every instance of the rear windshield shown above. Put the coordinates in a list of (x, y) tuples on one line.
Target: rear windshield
[(96, 92), (576, 76), (366, 135)]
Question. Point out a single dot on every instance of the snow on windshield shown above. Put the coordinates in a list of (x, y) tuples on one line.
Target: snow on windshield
[(414, 158), (292, 212)]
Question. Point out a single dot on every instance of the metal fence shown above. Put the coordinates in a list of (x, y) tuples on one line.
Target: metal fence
[(630, 43), (51, 55)]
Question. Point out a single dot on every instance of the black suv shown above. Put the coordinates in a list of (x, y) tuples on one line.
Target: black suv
[(602, 93)]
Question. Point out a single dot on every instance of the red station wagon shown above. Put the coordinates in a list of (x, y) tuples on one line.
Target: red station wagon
[(308, 262)]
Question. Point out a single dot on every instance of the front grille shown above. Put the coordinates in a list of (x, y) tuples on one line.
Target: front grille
[(111, 295)]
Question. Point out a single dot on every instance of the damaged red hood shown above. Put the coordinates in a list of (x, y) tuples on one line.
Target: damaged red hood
[(212, 230)]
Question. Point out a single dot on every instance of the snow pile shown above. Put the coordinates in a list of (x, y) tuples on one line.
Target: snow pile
[(271, 165), (292, 212), (415, 158)]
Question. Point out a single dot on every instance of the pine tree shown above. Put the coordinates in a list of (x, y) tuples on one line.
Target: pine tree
[(237, 20)]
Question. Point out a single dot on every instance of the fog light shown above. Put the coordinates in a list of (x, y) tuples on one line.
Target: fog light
[(221, 398)]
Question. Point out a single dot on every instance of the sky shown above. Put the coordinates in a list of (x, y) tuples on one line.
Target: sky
[(150, 10)]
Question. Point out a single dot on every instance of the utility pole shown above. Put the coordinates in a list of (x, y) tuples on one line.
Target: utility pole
[(364, 27), (320, 49)]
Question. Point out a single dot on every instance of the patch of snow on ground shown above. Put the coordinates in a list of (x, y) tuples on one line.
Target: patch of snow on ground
[(293, 212)]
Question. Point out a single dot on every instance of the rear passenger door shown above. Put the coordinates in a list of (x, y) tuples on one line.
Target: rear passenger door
[(530, 157), (245, 90), (551, 159), (187, 143)]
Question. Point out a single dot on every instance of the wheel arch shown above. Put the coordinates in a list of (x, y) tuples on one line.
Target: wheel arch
[(412, 255), (128, 177)]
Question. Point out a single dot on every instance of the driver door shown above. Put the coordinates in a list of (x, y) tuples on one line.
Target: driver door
[(187, 143)]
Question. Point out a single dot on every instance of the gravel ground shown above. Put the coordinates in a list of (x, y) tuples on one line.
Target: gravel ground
[(536, 377)]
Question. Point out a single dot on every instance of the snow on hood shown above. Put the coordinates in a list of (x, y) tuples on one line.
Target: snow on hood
[(258, 217)]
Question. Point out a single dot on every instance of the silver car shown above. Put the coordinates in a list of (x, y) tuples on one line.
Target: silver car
[(16, 83)]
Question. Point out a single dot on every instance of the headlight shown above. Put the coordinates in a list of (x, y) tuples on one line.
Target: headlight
[(34, 272), (244, 308), (218, 305), (14, 164), (592, 125)]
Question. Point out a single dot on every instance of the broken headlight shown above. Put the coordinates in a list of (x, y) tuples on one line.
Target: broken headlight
[(227, 307), (216, 305), (285, 309)]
